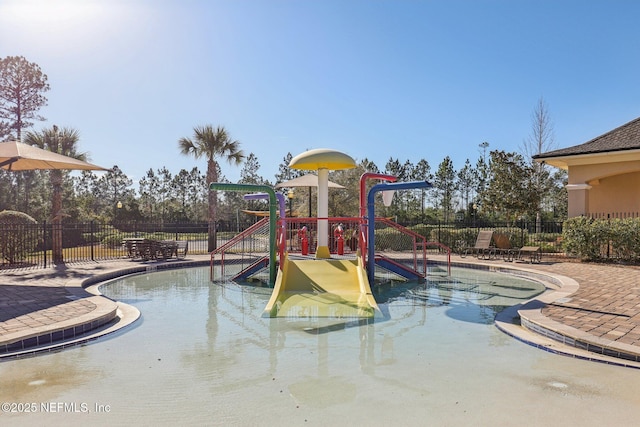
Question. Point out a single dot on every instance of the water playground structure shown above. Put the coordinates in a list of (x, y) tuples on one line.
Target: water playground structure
[(322, 266)]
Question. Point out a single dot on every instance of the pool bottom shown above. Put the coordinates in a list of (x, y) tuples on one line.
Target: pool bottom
[(202, 354)]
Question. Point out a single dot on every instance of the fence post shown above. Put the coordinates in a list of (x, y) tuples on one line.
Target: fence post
[(608, 240), (93, 240), (44, 241)]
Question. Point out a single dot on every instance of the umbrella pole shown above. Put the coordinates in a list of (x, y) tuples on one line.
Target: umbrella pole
[(8, 162)]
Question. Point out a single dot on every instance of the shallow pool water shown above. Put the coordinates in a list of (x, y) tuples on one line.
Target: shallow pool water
[(203, 355)]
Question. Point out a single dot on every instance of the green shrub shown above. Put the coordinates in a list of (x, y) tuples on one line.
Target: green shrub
[(423, 229), (112, 240), (392, 239), (624, 238), (455, 238), (586, 238), (73, 237), (17, 238), (547, 237), (109, 237)]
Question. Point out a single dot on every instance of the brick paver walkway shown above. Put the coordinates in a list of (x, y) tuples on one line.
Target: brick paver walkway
[(32, 299), (607, 304)]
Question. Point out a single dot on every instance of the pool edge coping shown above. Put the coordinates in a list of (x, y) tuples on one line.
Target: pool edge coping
[(534, 329), (542, 332), (107, 318)]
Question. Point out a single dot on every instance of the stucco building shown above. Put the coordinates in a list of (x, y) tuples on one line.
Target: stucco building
[(604, 173)]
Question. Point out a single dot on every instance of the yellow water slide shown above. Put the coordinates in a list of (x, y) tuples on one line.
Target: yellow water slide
[(334, 288)]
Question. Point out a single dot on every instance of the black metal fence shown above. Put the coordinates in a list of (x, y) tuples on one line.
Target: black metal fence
[(612, 215), (26, 245), (30, 246), (459, 235)]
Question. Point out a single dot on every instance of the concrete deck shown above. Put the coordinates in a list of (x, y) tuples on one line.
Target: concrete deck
[(590, 311)]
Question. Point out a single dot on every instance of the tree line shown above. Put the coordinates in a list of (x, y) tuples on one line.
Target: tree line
[(498, 185)]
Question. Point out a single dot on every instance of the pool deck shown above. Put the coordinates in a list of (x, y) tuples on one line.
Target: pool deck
[(590, 311)]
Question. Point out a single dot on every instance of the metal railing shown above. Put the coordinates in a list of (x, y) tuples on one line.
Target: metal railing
[(297, 228), (397, 241), (460, 235), (299, 236), (30, 246), (242, 250), (612, 215)]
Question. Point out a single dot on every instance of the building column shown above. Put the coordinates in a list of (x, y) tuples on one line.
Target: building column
[(578, 195)]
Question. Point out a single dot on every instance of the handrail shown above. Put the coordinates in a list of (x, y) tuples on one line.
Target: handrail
[(419, 240), (272, 216), (233, 241), (293, 224), (245, 233), (415, 236)]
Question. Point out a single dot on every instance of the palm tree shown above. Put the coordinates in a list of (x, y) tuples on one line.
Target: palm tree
[(62, 142), (212, 144)]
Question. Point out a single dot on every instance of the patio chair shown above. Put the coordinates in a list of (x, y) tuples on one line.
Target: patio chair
[(181, 249), (503, 246), (166, 249), (482, 248), (144, 249)]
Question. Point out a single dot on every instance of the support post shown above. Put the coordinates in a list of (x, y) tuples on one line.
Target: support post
[(323, 214)]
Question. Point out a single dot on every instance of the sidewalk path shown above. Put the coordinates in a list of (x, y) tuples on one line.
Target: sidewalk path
[(599, 310)]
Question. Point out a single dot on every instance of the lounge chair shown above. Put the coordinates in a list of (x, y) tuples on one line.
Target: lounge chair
[(482, 247), (503, 246)]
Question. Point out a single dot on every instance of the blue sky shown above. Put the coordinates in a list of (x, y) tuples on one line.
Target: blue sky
[(376, 79)]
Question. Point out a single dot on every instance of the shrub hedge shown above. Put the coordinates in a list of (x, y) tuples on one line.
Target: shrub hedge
[(457, 239), (15, 243), (598, 239)]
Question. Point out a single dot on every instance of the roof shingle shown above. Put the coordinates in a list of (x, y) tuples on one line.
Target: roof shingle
[(625, 137)]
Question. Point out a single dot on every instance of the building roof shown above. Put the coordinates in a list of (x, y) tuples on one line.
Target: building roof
[(623, 138)]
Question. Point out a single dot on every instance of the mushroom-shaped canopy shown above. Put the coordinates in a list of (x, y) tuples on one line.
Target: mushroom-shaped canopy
[(322, 158)]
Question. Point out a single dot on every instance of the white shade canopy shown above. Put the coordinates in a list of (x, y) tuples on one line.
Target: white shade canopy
[(16, 156)]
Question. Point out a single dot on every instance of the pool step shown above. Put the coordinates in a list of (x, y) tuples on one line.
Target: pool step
[(55, 324)]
